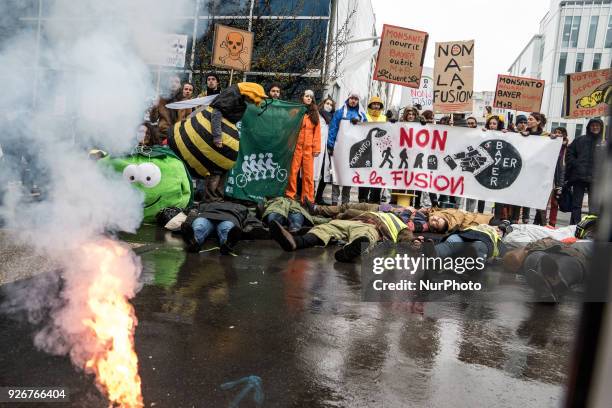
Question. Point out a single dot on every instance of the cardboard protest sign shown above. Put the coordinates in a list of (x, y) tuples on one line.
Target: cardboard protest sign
[(454, 76), (587, 94), (232, 48), (400, 56), (519, 94), (457, 161), (423, 95), (169, 50)]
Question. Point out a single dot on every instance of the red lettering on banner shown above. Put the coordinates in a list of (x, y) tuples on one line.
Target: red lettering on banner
[(357, 179), (437, 183), (397, 176), (422, 180), (375, 179), (424, 139), (439, 141), (405, 138), (455, 184)]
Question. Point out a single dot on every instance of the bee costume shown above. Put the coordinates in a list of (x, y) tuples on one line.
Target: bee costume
[(194, 139)]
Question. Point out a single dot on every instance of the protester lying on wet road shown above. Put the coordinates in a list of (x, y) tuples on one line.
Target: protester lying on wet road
[(476, 241), (229, 220), (451, 219), (422, 220), (523, 234), (360, 233), (553, 268), (287, 212)]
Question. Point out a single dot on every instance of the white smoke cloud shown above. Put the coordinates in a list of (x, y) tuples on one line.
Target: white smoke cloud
[(92, 87)]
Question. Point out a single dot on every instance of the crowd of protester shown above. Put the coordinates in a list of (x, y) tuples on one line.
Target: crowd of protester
[(302, 218)]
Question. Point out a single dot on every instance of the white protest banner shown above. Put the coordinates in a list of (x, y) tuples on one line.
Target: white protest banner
[(493, 166)]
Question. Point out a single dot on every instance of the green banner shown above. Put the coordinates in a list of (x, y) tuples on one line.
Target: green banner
[(268, 134)]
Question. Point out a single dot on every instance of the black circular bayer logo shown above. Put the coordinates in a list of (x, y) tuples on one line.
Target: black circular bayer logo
[(505, 167)]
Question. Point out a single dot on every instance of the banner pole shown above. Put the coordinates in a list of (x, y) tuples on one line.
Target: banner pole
[(231, 77)]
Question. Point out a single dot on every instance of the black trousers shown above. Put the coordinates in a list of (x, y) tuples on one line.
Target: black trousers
[(579, 189), (369, 195)]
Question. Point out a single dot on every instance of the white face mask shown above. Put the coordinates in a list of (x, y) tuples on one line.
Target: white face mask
[(327, 108)]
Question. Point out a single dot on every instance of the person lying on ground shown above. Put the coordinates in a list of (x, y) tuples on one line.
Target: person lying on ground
[(523, 234), (286, 211), (229, 220), (450, 220), (553, 268), (550, 267), (360, 233), (476, 241), (416, 220)]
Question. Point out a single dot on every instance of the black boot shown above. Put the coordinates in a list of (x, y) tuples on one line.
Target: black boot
[(352, 250), (233, 236), (282, 236), (538, 277), (191, 245)]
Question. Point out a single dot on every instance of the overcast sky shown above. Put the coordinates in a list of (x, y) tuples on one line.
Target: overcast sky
[(500, 28)]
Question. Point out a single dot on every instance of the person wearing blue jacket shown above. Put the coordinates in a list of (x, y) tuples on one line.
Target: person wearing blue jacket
[(352, 112)]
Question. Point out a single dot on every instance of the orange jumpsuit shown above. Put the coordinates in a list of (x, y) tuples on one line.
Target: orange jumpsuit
[(308, 144)]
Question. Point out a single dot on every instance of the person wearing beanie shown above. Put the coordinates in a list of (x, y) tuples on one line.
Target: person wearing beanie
[(352, 112), (308, 147), (212, 85)]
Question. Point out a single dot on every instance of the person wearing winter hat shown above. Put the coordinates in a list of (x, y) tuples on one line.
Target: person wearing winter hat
[(374, 114), (354, 113), (580, 163), (375, 110), (308, 147)]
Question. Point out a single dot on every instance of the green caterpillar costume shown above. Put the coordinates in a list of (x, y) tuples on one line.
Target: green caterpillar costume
[(159, 174)]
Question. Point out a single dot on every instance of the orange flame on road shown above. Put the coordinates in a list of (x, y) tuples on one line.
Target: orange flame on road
[(111, 321)]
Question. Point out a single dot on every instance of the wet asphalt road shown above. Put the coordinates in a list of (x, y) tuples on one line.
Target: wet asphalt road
[(297, 322)]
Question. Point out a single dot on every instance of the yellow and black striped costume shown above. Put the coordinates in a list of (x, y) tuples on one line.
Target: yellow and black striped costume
[(192, 140)]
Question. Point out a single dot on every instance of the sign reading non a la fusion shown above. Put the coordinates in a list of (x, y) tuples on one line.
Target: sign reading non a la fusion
[(457, 161), (453, 76)]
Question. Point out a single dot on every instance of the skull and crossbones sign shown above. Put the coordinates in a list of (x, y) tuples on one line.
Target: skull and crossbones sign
[(234, 44)]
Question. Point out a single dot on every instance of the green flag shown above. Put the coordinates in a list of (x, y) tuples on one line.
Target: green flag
[(268, 134)]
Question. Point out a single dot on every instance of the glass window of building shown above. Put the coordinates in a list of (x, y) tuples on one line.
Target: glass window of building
[(575, 31), (562, 64), (578, 130), (609, 34), (571, 27), (579, 62), (592, 31), (596, 60), (567, 28), (217, 8), (292, 7)]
